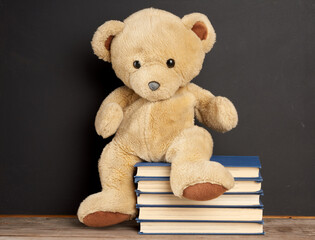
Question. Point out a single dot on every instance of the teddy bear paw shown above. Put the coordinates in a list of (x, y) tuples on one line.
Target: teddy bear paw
[(203, 191), (224, 115), (108, 121), (200, 180), (104, 219)]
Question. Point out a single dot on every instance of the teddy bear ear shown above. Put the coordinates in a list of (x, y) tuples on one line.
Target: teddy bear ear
[(103, 37), (201, 26)]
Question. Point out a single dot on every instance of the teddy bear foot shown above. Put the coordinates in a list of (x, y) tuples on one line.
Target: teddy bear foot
[(104, 219), (203, 191)]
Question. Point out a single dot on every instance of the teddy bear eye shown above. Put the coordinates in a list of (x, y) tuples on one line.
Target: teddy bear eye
[(170, 63), (136, 64)]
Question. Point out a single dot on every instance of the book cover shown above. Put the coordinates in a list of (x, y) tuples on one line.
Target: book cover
[(138, 178), (227, 161), (260, 192)]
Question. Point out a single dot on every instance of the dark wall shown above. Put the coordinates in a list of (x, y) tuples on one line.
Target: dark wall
[(51, 86)]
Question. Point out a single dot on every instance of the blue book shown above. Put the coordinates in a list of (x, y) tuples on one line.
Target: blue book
[(200, 213), (258, 206), (138, 178), (227, 161), (200, 227), (239, 166), (168, 199), (260, 192), (162, 185), (192, 221)]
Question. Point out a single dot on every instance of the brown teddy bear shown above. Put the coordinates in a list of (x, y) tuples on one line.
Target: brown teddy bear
[(156, 54)]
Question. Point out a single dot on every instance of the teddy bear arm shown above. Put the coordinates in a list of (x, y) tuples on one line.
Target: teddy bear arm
[(217, 113), (110, 113)]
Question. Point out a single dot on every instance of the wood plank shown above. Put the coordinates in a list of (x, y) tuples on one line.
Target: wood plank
[(66, 228)]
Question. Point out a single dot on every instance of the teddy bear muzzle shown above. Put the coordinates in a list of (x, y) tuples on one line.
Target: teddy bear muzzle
[(154, 85)]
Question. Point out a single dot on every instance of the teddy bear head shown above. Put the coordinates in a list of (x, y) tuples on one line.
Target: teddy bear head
[(155, 52)]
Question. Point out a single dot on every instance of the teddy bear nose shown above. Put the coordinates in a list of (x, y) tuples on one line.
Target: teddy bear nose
[(154, 85)]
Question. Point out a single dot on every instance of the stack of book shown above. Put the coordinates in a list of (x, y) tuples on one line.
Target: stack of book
[(238, 211)]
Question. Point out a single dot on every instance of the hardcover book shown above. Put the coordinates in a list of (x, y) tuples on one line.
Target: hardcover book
[(162, 184), (209, 213), (200, 227), (224, 200), (246, 166)]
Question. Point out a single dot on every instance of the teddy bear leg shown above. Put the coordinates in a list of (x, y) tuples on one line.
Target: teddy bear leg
[(117, 200), (193, 176)]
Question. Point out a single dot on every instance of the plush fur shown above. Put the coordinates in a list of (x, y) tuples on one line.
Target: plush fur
[(157, 125)]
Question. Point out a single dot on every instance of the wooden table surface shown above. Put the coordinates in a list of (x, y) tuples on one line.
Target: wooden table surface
[(70, 228)]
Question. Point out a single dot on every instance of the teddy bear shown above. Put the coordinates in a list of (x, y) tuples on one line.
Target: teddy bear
[(156, 54)]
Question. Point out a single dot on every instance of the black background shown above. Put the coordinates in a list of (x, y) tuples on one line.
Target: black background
[(51, 86)]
